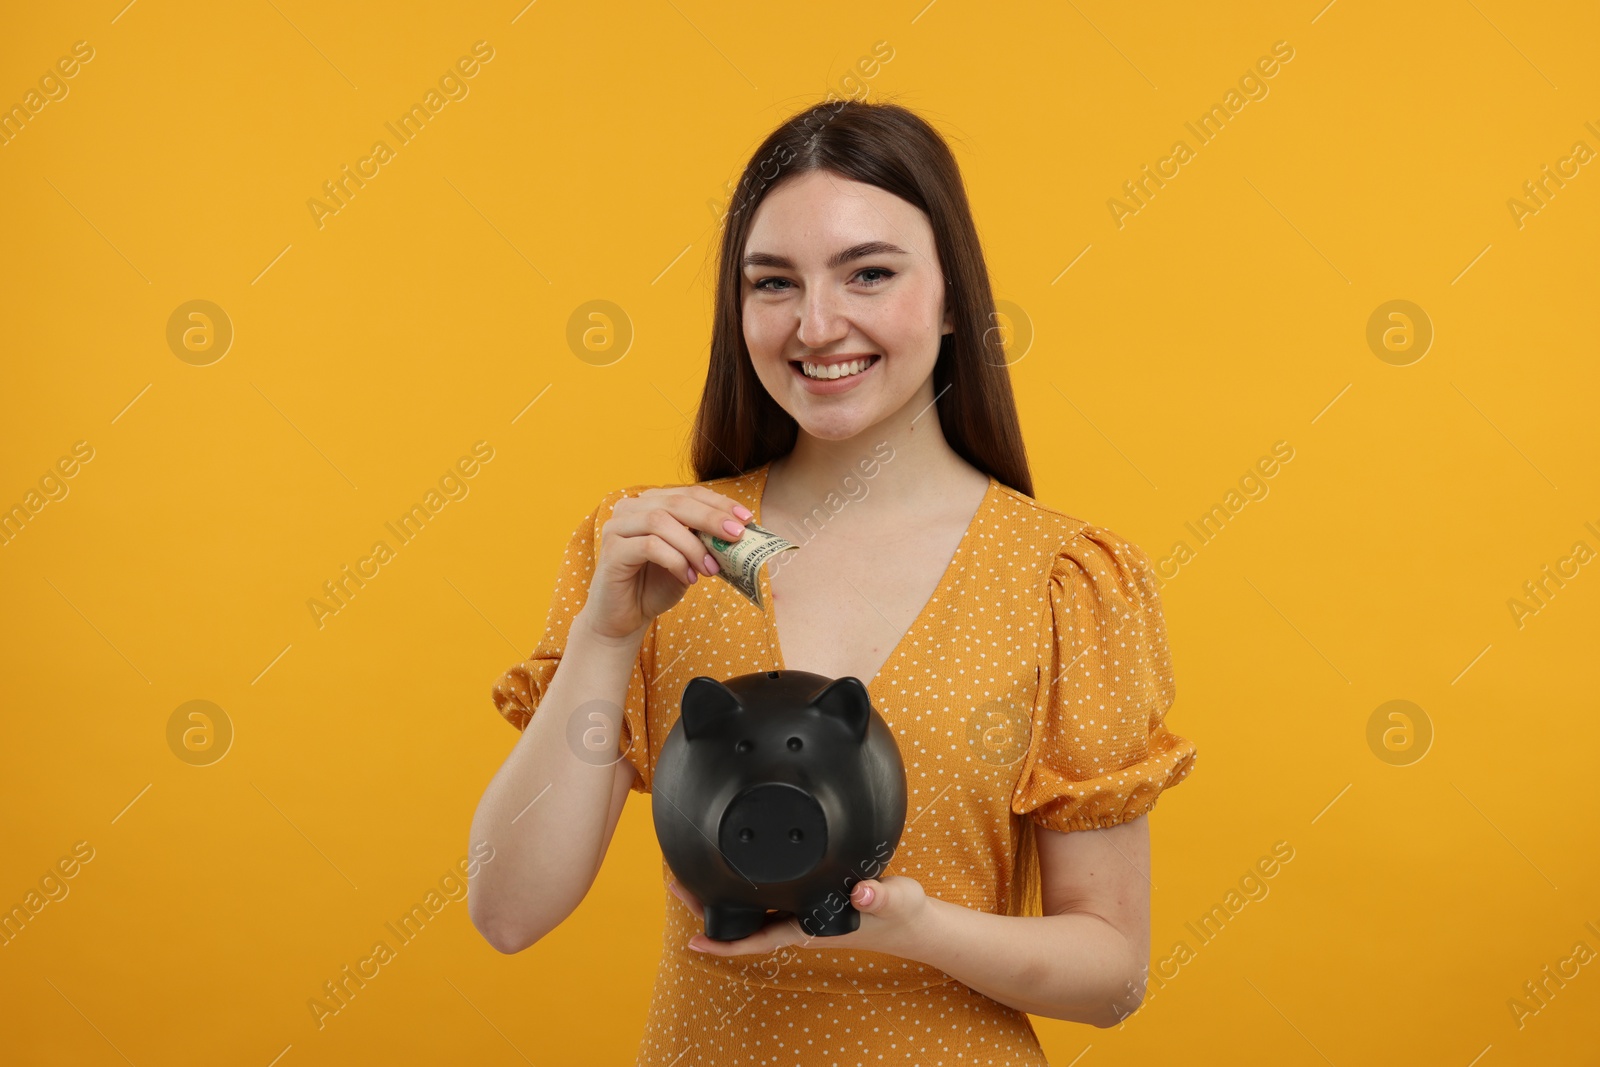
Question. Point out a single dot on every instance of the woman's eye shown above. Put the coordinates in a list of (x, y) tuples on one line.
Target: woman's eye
[(767, 285)]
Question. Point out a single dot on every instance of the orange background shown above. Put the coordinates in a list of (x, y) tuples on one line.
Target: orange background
[(588, 161)]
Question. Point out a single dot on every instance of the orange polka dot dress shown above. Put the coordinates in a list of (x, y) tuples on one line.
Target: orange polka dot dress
[(1034, 684)]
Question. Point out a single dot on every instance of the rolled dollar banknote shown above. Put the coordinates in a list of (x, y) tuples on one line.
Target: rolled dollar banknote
[(740, 561)]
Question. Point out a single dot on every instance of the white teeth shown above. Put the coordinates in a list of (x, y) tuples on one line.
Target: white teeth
[(837, 370)]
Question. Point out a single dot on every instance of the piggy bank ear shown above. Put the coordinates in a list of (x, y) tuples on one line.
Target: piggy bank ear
[(706, 702), (846, 699)]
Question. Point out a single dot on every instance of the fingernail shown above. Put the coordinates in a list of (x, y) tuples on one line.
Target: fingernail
[(711, 563), (696, 947), (743, 512), (732, 527), (692, 576), (866, 895)]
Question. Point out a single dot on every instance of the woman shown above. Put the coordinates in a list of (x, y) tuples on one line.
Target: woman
[(1019, 654)]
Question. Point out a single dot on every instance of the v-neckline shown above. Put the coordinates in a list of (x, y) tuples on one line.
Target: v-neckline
[(769, 609)]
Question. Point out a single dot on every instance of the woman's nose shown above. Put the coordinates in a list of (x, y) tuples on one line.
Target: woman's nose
[(821, 319)]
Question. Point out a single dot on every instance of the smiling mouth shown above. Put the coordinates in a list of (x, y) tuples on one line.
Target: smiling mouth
[(830, 371)]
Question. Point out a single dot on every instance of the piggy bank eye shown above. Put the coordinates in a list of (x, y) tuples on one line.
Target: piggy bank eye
[(744, 746), (794, 744)]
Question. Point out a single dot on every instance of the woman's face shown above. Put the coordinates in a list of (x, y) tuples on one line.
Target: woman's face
[(837, 272)]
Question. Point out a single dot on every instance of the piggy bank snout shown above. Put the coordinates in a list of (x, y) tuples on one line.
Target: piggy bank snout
[(773, 832)]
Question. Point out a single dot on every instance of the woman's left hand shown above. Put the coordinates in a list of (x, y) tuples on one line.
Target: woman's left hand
[(892, 908)]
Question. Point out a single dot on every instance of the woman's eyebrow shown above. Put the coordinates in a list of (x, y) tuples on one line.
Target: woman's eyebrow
[(838, 259)]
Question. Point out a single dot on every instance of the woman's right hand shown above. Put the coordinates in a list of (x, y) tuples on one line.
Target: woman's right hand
[(650, 555)]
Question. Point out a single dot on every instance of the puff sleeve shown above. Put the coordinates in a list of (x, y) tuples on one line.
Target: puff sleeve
[(520, 689), (1100, 752)]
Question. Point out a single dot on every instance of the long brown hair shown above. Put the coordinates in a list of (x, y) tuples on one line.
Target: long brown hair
[(739, 426)]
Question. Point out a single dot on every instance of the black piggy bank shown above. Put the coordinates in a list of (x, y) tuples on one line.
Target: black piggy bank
[(778, 790)]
